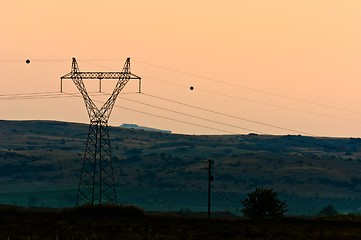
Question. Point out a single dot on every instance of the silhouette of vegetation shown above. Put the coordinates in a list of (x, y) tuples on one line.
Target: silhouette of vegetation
[(263, 203), (106, 222), (119, 211), (328, 211)]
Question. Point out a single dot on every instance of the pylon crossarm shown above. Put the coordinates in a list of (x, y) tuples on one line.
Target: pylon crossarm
[(123, 78), (101, 75)]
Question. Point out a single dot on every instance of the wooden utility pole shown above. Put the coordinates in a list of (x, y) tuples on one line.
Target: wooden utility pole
[(210, 179)]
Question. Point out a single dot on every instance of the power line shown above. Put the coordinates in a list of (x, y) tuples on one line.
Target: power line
[(31, 96), (164, 81), (240, 86), (197, 76), (177, 120), (34, 60), (259, 102), (42, 95), (281, 107), (193, 116), (2, 97), (189, 115), (249, 88), (227, 115), (60, 95), (33, 93), (18, 96), (102, 59), (167, 118), (97, 65)]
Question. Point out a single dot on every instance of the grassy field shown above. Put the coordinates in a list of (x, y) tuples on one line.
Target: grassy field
[(133, 223)]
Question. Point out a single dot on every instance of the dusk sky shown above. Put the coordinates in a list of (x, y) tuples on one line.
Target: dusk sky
[(273, 67)]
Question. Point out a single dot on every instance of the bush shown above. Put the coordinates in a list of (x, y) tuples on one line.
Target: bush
[(263, 203), (328, 211)]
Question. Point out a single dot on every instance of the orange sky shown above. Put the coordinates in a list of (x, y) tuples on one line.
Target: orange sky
[(309, 50)]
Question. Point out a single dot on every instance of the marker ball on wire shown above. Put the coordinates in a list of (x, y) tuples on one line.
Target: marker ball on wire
[(191, 88), (27, 61)]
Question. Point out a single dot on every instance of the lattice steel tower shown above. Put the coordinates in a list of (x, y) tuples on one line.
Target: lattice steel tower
[(96, 185)]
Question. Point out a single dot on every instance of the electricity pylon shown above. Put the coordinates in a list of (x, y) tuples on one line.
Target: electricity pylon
[(96, 185)]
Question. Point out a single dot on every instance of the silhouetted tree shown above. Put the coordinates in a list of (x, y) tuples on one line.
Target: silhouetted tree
[(263, 203), (328, 211)]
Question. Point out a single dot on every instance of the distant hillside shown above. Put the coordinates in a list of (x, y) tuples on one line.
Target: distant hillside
[(136, 127), (161, 170)]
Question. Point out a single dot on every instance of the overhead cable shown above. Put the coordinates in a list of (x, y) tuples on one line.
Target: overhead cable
[(249, 88)]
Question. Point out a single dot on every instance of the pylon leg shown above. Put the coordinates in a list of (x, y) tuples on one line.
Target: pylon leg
[(96, 185)]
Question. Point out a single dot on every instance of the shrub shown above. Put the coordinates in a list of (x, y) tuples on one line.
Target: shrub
[(263, 203), (328, 211)]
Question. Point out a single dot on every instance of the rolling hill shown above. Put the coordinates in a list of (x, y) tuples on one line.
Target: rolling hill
[(40, 164)]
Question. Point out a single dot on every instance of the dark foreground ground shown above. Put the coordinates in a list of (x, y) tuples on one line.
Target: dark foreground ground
[(132, 223)]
